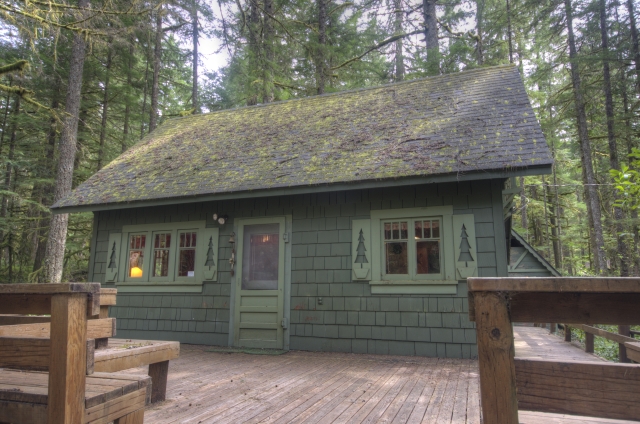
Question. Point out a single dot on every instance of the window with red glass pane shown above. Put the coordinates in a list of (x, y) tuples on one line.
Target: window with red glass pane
[(136, 255), (187, 254), (161, 249), (427, 238)]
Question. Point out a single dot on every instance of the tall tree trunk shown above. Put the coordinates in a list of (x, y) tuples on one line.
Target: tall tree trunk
[(635, 48), (509, 32), (127, 107), (4, 208), (157, 57), (397, 29), (254, 52), (479, 30), (54, 257), (146, 84), (105, 108), (431, 36), (44, 190), (614, 163), (628, 136), (268, 45), (195, 32), (591, 193), (322, 45)]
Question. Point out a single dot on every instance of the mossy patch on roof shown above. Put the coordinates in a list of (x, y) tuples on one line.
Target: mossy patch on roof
[(465, 122)]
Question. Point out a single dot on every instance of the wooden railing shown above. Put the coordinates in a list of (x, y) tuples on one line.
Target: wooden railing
[(591, 332), (594, 389)]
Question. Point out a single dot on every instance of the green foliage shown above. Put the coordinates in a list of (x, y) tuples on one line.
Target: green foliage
[(627, 181)]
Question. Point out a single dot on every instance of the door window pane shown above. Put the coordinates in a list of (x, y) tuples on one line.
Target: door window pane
[(187, 255), (136, 255), (260, 257), (161, 245)]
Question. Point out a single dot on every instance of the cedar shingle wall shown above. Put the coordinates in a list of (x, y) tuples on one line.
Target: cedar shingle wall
[(350, 319)]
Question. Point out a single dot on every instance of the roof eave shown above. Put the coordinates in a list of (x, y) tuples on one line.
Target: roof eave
[(542, 169)]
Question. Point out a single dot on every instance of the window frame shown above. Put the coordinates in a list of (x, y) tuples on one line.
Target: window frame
[(147, 280), (412, 267), (413, 283)]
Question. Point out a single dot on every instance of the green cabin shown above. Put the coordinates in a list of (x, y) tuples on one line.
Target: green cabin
[(346, 222)]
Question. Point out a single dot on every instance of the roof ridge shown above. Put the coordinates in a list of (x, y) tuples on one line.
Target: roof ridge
[(337, 93)]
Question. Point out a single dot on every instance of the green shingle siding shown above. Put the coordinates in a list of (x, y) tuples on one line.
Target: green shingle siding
[(350, 318)]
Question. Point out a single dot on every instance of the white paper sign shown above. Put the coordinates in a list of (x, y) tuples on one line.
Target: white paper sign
[(190, 273)]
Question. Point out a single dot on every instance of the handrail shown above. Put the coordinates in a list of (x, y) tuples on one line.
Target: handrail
[(591, 331), (603, 389)]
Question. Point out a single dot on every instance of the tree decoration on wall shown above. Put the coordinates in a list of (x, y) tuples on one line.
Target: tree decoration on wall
[(210, 262), (361, 257), (465, 248), (112, 258)]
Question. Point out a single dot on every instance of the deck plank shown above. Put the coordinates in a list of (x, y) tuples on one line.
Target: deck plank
[(315, 387)]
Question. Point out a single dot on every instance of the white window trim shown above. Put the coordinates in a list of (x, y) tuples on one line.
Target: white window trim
[(171, 282), (444, 283)]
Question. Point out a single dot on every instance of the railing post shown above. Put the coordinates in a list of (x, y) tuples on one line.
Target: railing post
[(496, 359), (552, 328), (625, 330), (588, 342), (567, 333)]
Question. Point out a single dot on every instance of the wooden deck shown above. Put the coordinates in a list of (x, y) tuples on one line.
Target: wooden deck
[(537, 343), (313, 387)]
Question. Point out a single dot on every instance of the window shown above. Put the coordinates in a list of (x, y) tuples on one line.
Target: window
[(415, 256), (411, 251), (165, 255)]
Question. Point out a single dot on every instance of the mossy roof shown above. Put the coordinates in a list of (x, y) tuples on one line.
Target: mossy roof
[(474, 121)]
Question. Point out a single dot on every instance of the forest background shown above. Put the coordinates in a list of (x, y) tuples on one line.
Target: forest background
[(81, 82)]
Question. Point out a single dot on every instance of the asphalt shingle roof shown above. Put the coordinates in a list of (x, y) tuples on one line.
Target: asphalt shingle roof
[(478, 120)]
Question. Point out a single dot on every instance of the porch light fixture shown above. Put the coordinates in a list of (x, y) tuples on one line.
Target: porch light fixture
[(220, 219)]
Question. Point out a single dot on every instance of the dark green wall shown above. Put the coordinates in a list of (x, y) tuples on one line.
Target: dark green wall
[(350, 318)]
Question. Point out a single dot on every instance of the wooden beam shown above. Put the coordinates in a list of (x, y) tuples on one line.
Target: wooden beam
[(39, 290), (633, 350), (22, 412), (158, 373), (108, 297), (25, 353), (585, 308), (34, 353), (24, 304), (96, 328), (596, 389), (604, 333), (67, 369), (115, 408), (495, 359), (589, 342), (556, 285), (113, 360), (22, 319)]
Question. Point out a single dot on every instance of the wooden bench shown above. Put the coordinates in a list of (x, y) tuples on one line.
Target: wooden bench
[(70, 392), (121, 354), (591, 389), (111, 355)]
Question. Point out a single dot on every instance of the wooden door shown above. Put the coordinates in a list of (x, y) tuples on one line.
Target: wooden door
[(259, 299)]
